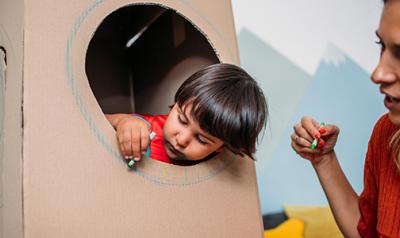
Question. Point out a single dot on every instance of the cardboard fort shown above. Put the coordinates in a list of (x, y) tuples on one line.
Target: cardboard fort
[(63, 64)]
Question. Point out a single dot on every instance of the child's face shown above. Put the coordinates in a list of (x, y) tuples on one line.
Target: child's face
[(183, 137)]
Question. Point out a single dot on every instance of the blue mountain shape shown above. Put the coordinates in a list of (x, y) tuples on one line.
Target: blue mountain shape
[(340, 93), (283, 83)]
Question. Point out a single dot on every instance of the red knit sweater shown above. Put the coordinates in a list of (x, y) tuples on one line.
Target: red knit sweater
[(380, 199)]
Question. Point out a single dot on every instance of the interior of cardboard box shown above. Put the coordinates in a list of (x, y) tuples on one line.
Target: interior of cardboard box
[(140, 54)]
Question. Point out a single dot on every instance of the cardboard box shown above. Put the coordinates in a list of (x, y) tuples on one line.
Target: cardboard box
[(68, 62)]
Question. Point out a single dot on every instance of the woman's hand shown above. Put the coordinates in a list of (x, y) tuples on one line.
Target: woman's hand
[(304, 134)]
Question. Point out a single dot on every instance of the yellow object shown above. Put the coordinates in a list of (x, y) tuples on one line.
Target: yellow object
[(292, 228), (318, 221)]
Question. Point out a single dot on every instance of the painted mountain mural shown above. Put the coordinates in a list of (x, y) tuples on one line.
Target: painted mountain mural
[(283, 83), (340, 92)]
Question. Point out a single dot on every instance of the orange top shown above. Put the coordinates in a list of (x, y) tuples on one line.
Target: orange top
[(380, 199)]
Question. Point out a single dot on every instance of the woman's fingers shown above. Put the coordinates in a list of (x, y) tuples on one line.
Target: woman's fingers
[(303, 147), (311, 126), (300, 140)]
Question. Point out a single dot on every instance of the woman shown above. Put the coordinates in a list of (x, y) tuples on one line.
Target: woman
[(376, 212)]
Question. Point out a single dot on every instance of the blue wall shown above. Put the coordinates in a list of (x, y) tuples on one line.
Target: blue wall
[(339, 92)]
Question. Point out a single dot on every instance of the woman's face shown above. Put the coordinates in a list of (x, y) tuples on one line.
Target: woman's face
[(387, 72)]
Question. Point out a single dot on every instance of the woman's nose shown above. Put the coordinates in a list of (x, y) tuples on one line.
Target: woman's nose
[(383, 72)]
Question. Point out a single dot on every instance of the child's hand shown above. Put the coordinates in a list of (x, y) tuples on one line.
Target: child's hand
[(304, 134), (132, 135)]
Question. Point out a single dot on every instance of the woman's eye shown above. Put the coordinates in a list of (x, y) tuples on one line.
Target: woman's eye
[(380, 43)]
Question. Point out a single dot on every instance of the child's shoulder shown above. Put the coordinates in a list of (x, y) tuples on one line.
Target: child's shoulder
[(158, 120)]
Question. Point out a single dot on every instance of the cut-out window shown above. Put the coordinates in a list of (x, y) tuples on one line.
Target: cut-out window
[(139, 56)]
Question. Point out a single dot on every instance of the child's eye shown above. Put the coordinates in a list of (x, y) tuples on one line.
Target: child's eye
[(201, 140), (181, 120)]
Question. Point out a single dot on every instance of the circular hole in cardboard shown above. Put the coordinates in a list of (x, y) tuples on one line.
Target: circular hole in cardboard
[(125, 79), (140, 54)]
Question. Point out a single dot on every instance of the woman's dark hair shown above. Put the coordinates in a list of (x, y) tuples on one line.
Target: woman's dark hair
[(228, 104)]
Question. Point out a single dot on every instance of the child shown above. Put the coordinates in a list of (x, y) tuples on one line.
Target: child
[(219, 107)]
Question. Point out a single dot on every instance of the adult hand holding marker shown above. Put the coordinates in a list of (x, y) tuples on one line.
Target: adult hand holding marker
[(318, 141), (313, 140)]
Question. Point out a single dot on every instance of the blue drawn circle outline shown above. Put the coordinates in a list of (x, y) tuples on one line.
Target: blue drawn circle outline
[(86, 115)]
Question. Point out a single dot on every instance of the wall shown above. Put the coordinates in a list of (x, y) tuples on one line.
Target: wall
[(311, 58)]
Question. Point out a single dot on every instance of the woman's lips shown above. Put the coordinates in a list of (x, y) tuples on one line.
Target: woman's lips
[(392, 103)]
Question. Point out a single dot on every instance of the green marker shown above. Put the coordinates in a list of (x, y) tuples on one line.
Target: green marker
[(131, 163), (314, 144), (316, 140)]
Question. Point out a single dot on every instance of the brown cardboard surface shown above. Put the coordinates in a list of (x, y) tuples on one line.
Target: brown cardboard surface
[(2, 97), (74, 182), (11, 38)]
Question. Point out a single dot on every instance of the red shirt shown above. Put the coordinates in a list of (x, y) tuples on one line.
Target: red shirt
[(157, 150), (380, 199)]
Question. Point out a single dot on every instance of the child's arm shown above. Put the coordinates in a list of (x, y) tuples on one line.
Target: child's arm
[(132, 134), (342, 198)]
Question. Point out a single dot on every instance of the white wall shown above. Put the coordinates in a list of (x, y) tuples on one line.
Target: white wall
[(301, 29)]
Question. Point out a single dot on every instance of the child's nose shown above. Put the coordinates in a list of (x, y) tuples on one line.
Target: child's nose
[(183, 139)]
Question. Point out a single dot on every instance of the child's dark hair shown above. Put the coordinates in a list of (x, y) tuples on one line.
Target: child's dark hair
[(228, 104)]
